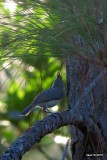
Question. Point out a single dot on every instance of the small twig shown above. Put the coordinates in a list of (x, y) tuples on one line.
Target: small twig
[(65, 150)]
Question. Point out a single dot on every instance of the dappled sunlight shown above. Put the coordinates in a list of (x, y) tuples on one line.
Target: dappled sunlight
[(30, 69), (3, 108), (6, 65), (60, 139), (55, 108), (5, 123), (4, 142), (11, 5)]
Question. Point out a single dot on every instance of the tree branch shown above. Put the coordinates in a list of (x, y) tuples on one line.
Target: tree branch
[(42, 128), (37, 132)]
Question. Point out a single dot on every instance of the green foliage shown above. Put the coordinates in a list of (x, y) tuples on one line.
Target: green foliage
[(34, 43), (50, 27)]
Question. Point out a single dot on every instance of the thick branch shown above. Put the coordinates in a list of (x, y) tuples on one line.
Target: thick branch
[(42, 128), (38, 131)]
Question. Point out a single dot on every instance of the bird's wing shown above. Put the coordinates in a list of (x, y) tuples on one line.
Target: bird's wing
[(48, 95)]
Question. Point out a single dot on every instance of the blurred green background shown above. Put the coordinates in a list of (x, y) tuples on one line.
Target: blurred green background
[(36, 37), (28, 65)]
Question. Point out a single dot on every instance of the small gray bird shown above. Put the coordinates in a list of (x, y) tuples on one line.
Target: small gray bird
[(49, 97)]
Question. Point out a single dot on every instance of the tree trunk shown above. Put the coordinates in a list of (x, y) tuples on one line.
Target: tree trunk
[(87, 143)]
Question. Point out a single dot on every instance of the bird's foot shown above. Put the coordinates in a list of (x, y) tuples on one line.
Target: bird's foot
[(47, 110)]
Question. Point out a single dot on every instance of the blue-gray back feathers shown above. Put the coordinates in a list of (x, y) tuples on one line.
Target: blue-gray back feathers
[(55, 93)]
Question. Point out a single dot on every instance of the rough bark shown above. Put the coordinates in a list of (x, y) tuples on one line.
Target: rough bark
[(85, 145), (38, 131)]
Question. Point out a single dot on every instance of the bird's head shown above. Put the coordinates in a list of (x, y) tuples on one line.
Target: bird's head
[(58, 81), (59, 75)]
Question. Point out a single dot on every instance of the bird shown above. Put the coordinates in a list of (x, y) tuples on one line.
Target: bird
[(47, 98)]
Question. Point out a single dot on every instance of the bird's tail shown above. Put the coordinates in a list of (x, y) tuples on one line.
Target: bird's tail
[(27, 110)]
